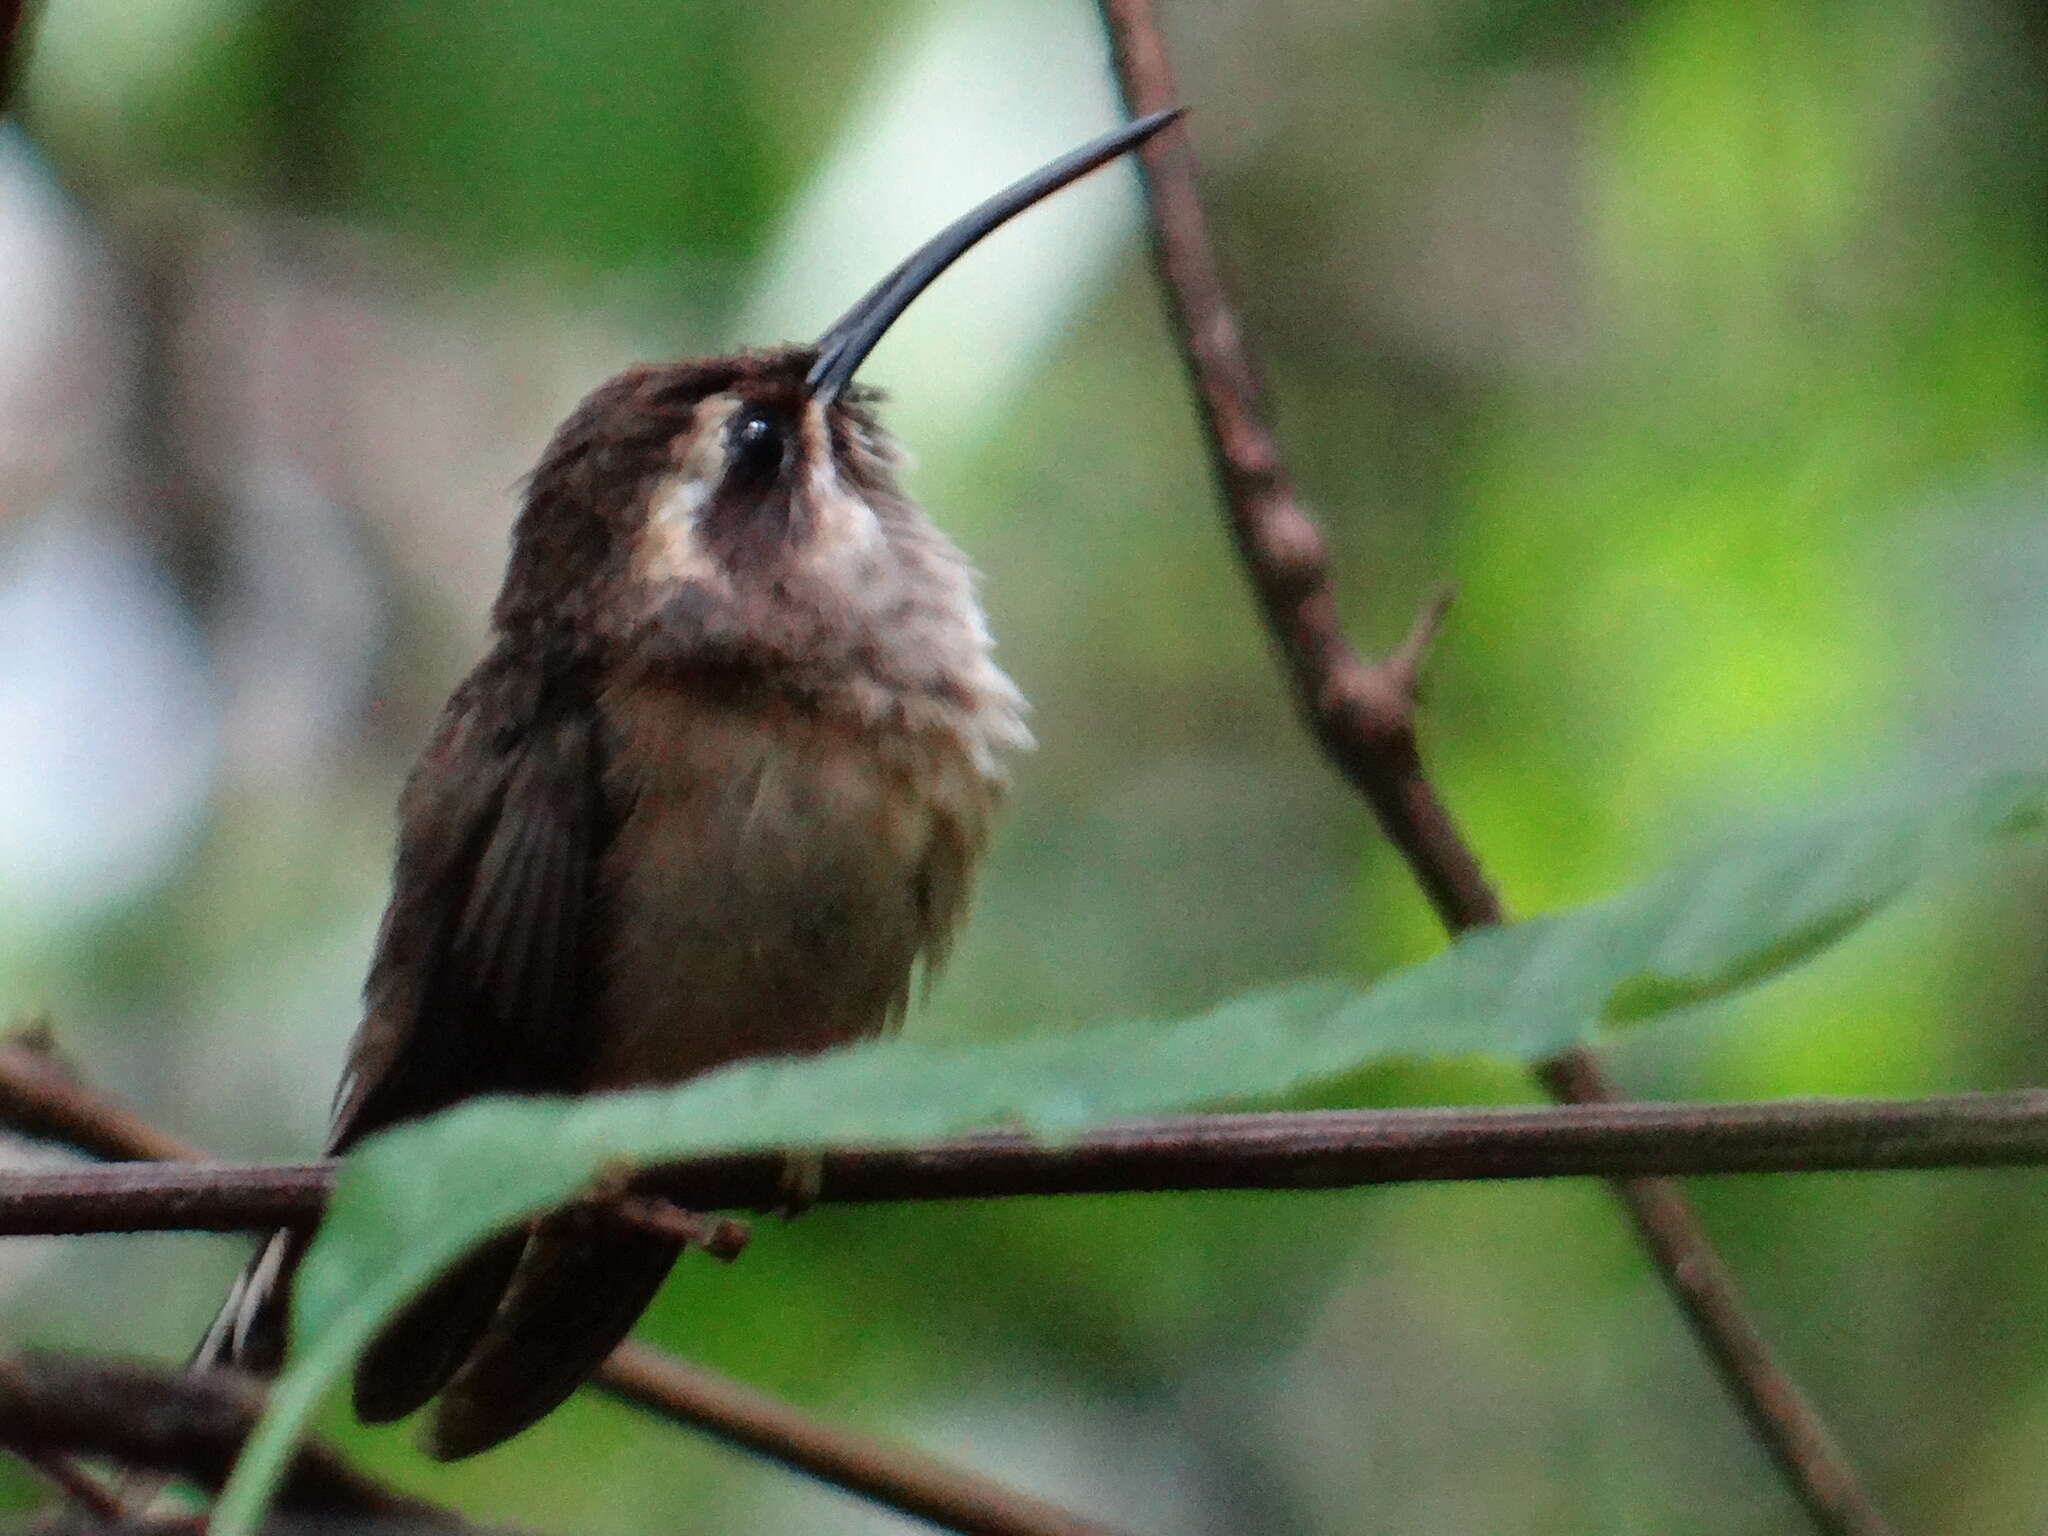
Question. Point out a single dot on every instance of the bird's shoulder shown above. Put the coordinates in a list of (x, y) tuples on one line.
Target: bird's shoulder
[(482, 965)]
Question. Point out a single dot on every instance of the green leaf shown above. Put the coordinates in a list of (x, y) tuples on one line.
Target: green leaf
[(413, 1199)]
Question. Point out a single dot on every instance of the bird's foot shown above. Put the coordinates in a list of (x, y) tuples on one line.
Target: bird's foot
[(615, 1198), (720, 1236)]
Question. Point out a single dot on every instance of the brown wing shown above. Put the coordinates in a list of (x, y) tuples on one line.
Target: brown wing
[(482, 978), (582, 1281), (480, 984)]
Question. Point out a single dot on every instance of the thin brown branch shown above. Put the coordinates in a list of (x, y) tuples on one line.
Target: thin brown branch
[(1708, 1295), (80, 1488), (1362, 714), (903, 1479), (1324, 1149), (186, 1426), (163, 1197), (41, 1096)]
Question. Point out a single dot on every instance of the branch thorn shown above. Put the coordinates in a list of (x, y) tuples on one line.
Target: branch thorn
[(1405, 665)]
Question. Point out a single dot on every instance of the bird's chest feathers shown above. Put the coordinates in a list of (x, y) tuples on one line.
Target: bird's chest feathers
[(774, 876)]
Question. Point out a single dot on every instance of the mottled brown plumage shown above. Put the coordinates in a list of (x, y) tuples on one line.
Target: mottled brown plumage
[(716, 791)]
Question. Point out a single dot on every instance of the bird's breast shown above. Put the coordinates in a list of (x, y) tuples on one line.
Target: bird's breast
[(774, 876)]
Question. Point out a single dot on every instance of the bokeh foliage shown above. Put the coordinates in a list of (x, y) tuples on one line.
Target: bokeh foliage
[(1700, 341)]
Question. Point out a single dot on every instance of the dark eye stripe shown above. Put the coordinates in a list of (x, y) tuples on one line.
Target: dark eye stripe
[(751, 518), (757, 442)]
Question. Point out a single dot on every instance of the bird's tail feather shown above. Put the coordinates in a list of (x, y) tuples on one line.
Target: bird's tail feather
[(416, 1353), (248, 1332), (503, 1337), (583, 1282)]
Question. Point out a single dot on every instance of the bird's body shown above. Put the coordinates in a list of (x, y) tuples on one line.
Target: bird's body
[(843, 853), (716, 792), (689, 841)]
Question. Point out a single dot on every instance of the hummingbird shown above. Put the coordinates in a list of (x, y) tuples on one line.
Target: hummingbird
[(717, 790)]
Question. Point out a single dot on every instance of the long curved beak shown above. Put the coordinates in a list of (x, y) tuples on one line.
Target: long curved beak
[(845, 346)]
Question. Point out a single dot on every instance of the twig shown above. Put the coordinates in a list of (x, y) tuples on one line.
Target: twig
[(1363, 716), (189, 1426), (163, 1197), (36, 1095), (753, 1421), (1782, 1417), (1324, 1149), (40, 1096), (80, 1488)]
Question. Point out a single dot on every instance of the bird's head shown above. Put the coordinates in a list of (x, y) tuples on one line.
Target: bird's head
[(742, 514)]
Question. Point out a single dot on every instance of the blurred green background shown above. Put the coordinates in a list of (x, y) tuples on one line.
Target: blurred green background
[(1701, 342)]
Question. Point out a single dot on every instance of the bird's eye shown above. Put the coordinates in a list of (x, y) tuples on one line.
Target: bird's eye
[(758, 441)]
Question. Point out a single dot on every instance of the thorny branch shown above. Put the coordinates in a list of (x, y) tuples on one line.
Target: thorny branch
[(1363, 715), (40, 1097)]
